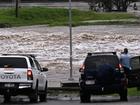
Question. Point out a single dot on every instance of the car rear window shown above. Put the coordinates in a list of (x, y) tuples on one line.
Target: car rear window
[(135, 63), (95, 61), (9, 62)]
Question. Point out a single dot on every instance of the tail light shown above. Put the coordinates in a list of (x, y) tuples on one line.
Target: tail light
[(82, 68), (119, 67), (29, 75)]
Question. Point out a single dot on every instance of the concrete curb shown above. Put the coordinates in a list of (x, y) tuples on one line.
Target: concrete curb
[(113, 21), (106, 98), (63, 88)]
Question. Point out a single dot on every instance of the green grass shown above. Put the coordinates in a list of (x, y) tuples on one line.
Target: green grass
[(133, 92), (54, 17)]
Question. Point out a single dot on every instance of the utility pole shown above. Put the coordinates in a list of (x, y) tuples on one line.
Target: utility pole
[(17, 8), (70, 33)]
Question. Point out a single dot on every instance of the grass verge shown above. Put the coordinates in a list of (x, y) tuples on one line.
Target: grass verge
[(57, 17), (133, 92)]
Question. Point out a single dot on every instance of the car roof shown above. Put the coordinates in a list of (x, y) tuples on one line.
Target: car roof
[(135, 56), (101, 53), (18, 55)]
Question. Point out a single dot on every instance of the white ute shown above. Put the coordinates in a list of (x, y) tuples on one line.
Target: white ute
[(21, 74)]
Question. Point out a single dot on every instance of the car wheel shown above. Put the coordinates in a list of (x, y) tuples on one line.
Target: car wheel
[(34, 96), (7, 98), (84, 97), (43, 96), (123, 95)]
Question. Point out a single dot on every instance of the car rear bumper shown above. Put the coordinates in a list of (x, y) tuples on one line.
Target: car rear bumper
[(16, 88), (103, 89)]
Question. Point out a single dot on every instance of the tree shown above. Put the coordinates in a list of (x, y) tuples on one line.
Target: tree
[(107, 5), (92, 4), (122, 5), (17, 7)]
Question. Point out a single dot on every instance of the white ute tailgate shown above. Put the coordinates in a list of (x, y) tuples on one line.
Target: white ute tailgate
[(13, 75), (13, 69)]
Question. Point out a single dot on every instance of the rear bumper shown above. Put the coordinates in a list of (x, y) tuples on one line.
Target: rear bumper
[(16, 88), (102, 89)]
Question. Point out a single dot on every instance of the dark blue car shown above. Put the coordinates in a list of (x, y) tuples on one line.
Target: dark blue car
[(134, 74), (101, 73)]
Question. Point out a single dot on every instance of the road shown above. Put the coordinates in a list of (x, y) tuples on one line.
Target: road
[(100, 100), (75, 5)]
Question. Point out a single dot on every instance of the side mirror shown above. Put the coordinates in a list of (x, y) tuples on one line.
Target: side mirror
[(45, 69)]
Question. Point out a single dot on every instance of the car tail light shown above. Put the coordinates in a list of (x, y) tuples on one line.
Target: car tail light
[(82, 68), (29, 75), (119, 67)]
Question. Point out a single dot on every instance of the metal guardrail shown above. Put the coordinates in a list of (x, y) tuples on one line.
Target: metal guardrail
[(66, 86), (63, 88)]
